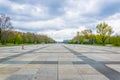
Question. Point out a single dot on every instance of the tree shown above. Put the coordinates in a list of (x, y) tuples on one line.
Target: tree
[(104, 31), (5, 27), (115, 40), (19, 38), (7, 35), (78, 39), (88, 35)]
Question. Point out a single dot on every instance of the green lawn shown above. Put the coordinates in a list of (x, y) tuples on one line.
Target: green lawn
[(11, 44), (102, 45)]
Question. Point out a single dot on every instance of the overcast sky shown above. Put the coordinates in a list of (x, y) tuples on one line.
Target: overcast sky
[(61, 19)]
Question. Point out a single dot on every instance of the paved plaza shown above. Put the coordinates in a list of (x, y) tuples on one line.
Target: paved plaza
[(59, 62)]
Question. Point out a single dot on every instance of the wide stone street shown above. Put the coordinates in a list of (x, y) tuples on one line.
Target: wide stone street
[(59, 62)]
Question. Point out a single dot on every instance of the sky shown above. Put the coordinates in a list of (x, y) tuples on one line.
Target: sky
[(61, 19)]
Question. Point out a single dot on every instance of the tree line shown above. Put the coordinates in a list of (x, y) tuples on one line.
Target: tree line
[(8, 35), (103, 36)]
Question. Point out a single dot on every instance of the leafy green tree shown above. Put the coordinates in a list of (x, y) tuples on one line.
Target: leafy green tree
[(115, 40), (19, 39), (88, 35), (78, 39), (104, 31), (7, 35)]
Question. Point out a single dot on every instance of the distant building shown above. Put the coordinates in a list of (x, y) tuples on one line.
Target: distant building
[(65, 41)]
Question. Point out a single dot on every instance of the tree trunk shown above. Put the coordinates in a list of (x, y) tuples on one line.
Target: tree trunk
[(103, 41)]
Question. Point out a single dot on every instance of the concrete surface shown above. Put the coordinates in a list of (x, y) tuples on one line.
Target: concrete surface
[(59, 62)]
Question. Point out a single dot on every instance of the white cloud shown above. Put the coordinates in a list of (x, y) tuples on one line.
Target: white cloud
[(63, 34), (33, 11), (113, 21), (19, 30), (56, 23), (37, 17), (29, 10), (4, 3), (76, 8)]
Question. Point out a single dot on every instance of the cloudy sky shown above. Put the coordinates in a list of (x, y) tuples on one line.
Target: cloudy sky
[(61, 19)]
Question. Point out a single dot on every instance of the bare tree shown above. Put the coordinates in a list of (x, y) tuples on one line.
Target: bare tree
[(5, 27)]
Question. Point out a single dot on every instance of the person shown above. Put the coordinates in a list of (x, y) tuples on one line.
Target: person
[(22, 46)]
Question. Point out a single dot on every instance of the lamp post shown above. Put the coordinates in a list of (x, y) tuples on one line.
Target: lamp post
[(78, 35), (23, 41)]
